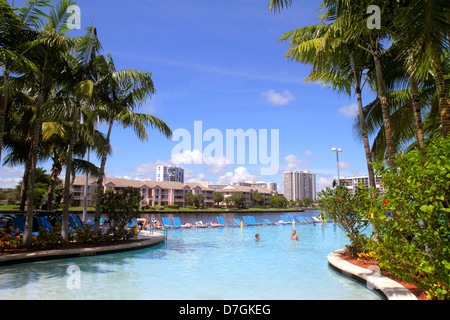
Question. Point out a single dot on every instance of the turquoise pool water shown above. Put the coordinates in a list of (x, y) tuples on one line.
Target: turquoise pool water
[(200, 264)]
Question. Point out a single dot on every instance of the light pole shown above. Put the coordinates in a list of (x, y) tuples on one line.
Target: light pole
[(337, 150)]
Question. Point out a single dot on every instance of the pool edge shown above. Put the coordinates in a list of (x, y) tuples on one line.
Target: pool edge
[(147, 241), (388, 288)]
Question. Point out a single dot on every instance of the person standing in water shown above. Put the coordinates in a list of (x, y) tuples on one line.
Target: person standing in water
[(294, 235)]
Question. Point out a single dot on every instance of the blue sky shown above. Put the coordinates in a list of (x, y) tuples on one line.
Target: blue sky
[(219, 62)]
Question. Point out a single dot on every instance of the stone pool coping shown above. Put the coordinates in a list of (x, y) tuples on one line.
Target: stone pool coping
[(147, 240), (388, 288)]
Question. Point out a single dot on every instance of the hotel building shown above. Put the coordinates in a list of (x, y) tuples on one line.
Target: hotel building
[(352, 182), (161, 193), (299, 185), (169, 173)]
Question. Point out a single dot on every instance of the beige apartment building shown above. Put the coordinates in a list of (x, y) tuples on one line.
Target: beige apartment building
[(299, 185), (161, 193)]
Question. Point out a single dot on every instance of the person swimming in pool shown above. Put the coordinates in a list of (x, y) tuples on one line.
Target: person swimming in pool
[(294, 235), (257, 237)]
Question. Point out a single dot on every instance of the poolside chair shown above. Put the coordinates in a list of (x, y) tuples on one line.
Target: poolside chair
[(253, 221), (167, 223), (199, 224), (221, 221), (72, 228), (316, 219), (247, 221), (19, 223), (77, 220), (297, 220), (285, 220), (290, 219), (267, 221), (44, 222), (237, 222), (303, 220), (308, 219)]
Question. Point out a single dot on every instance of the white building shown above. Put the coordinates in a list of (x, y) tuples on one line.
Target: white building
[(352, 182), (264, 185), (299, 185), (170, 173)]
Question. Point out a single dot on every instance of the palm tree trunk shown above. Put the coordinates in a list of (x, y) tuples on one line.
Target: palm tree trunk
[(385, 109), (28, 233), (3, 108), (98, 209), (25, 179), (417, 111), (67, 182), (362, 122), (56, 171), (444, 108)]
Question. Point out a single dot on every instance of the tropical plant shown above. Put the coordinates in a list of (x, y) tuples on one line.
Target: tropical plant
[(119, 93)]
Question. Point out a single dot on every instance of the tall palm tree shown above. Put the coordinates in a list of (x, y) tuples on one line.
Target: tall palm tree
[(49, 52), (119, 93), (16, 30), (341, 68)]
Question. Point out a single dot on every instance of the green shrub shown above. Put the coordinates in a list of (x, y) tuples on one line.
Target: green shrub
[(412, 220), (347, 211), (173, 206)]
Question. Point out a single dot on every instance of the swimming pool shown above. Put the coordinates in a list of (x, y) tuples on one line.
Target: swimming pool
[(199, 264)]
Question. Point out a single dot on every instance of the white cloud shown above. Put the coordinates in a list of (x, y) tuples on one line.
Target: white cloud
[(147, 171), (278, 99), (188, 157), (240, 174), (10, 177), (344, 165), (349, 111), (323, 182), (293, 163)]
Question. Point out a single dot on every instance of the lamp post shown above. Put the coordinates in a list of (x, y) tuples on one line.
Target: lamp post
[(337, 150)]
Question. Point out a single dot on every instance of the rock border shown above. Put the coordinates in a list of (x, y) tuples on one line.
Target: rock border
[(146, 241), (388, 288)]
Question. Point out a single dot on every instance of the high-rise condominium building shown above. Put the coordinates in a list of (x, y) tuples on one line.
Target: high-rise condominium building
[(170, 173), (299, 185)]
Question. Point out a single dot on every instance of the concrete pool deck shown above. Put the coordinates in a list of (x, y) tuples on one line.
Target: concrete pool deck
[(389, 289), (146, 240)]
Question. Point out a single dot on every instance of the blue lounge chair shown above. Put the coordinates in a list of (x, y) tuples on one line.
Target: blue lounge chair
[(19, 223), (221, 221), (297, 220), (316, 219), (237, 222), (72, 228), (177, 223), (166, 222), (253, 220), (308, 219), (285, 220), (290, 219), (303, 220), (267, 221), (247, 221), (77, 220), (44, 222)]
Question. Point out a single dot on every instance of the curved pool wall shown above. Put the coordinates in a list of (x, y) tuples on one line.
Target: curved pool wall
[(199, 264)]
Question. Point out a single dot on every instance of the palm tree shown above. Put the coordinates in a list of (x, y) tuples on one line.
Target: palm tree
[(341, 68), (49, 52), (120, 92), (16, 31)]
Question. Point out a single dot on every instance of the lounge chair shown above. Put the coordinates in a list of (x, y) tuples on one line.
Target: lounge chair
[(199, 224), (253, 221), (285, 220), (72, 228), (290, 219), (237, 222), (77, 220), (19, 223), (297, 220), (303, 220), (247, 221), (167, 223), (177, 223), (44, 222), (267, 221), (309, 219), (221, 221), (316, 219)]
